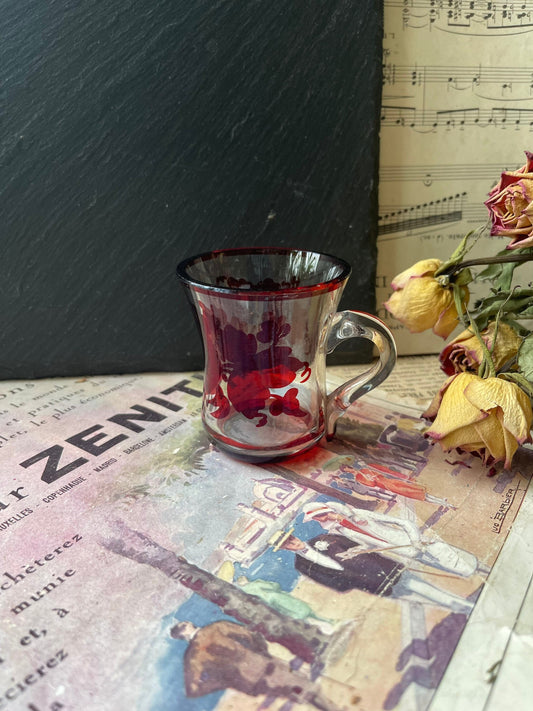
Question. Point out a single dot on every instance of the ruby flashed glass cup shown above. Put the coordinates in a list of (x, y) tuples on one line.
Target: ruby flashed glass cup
[(268, 316)]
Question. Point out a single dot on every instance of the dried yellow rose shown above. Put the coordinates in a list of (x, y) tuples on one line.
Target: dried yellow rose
[(421, 302), (486, 416)]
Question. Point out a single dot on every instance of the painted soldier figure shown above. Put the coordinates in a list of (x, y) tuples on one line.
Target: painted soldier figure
[(225, 655), (354, 567)]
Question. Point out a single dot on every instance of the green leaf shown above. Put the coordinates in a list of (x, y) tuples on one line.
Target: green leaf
[(505, 278), (525, 313), (487, 301), (464, 277), (501, 273), (519, 305), (492, 270), (525, 357), (462, 248)]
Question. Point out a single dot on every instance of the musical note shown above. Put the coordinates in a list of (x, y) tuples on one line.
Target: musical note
[(505, 116), (399, 116), (429, 214), (498, 82), (430, 120), (457, 79), (458, 117), (465, 17)]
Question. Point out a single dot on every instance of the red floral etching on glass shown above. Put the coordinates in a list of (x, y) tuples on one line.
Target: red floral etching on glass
[(243, 369)]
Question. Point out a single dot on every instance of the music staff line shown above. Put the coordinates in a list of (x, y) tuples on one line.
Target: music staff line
[(432, 119), (485, 6), (428, 215), (465, 16), (428, 174), (458, 77)]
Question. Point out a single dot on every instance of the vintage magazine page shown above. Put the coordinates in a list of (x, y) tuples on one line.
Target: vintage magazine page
[(144, 570), (457, 110), (490, 668)]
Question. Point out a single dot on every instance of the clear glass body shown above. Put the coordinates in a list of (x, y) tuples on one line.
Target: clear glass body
[(266, 317)]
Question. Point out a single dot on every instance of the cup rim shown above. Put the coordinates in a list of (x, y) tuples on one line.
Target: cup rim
[(319, 286)]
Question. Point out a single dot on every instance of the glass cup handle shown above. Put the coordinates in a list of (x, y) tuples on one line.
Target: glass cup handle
[(354, 324)]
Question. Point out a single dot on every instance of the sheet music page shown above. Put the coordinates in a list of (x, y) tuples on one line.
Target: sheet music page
[(457, 110)]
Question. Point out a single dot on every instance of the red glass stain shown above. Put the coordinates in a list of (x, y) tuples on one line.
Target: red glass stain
[(243, 369)]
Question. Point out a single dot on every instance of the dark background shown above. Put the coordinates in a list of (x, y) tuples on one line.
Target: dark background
[(134, 134)]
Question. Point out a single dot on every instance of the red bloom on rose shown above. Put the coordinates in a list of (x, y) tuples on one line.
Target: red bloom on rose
[(510, 205)]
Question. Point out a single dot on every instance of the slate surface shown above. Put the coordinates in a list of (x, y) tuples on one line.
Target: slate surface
[(135, 135)]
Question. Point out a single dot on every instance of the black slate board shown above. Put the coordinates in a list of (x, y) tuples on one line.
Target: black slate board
[(135, 134)]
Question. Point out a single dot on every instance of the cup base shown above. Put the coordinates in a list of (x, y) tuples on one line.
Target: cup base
[(258, 455)]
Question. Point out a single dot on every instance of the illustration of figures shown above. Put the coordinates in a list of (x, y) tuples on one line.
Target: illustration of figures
[(404, 436), (350, 566), (304, 640), (272, 593), (437, 649), (224, 655), (400, 445), (312, 481), (380, 479), (385, 533)]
